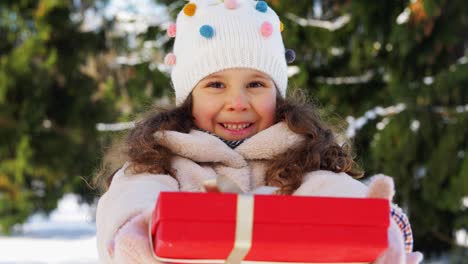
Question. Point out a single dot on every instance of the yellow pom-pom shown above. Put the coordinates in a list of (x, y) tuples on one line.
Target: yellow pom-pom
[(281, 26), (189, 9)]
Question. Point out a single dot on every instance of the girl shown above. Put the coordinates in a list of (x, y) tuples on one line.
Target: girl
[(232, 121)]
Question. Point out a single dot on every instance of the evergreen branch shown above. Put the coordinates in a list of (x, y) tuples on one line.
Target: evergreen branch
[(368, 75), (355, 124), (365, 78), (446, 111), (336, 24), (444, 238)]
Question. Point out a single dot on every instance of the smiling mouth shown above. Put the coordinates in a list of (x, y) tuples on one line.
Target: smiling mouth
[(236, 126)]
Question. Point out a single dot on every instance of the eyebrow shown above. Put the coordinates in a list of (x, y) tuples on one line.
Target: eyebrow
[(216, 76), (253, 76), (256, 75)]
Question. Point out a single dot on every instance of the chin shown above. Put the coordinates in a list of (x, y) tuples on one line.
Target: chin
[(233, 138)]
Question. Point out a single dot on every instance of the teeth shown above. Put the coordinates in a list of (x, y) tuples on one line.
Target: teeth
[(236, 126)]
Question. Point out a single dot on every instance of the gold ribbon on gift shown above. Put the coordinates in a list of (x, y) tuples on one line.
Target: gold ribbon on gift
[(244, 228), (244, 214)]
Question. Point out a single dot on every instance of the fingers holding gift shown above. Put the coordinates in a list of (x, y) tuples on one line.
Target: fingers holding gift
[(395, 253), (132, 242)]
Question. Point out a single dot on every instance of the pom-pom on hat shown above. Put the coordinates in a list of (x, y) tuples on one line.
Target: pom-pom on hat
[(215, 35)]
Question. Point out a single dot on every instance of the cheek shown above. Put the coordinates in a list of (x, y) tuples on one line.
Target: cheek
[(268, 112), (204, 116)]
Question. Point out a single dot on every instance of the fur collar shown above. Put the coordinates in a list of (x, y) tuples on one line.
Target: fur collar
[(200, 146)]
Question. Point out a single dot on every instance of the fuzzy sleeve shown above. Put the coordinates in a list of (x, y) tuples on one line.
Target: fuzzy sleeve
[(328, 183), (127, 196)]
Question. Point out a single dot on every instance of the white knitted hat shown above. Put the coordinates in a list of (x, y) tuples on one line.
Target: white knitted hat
[(214, 35)]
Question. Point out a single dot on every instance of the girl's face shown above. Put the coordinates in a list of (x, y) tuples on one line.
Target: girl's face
[(235, 103)]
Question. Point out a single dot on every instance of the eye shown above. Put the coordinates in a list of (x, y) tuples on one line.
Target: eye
[(217, 85), (256, 84)]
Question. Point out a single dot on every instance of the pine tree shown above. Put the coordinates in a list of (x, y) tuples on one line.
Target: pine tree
[(59, 82), (47, 113)]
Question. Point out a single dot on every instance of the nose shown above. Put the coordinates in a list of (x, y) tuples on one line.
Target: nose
[(238, 100)]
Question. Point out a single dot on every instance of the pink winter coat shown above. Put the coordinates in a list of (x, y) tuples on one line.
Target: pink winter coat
[(124, 209)]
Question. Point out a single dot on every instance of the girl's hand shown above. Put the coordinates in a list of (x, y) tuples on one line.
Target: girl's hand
[(131, 243), (411, 258), (414, 257), (395, 253)]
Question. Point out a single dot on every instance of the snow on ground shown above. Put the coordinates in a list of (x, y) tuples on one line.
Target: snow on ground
[(67, 236)]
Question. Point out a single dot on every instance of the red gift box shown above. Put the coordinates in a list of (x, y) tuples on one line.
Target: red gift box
[(201, 228)]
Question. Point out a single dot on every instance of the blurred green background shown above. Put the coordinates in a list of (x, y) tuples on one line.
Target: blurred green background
[(75, 74)]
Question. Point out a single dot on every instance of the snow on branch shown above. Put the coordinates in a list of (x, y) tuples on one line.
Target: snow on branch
[(365, 78), (444, 110), (115, 126), (463, 60), (333, 25), (355, 124), (404, 16)]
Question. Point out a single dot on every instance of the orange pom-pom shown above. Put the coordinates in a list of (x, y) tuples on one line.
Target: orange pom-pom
[(189, 9)]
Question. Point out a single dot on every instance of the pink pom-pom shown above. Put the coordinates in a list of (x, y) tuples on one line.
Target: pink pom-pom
[(171, 30), (170, 59), (230, 4), (266, 29)]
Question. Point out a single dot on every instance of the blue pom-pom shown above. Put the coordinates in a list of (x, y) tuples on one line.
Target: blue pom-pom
[(290, 55), (261, 6), (207, 31)]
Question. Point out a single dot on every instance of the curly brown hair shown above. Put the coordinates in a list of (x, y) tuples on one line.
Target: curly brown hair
[(321, 150)]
